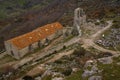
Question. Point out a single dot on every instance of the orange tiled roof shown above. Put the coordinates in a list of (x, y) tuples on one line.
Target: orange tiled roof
[(36, 35)]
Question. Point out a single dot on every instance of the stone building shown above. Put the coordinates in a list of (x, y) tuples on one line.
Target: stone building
[(79, 20), (21, 45)]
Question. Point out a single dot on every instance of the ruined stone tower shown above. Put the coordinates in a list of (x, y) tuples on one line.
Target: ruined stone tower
[(79, 20)]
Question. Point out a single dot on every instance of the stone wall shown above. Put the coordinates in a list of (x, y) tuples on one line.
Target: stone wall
[(24, 51), (7, 47), (11, 50)]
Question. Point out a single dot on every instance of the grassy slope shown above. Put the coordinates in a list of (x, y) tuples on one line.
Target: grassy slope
[(111, 71)]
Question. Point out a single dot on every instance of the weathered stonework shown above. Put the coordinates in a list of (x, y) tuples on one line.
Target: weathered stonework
[(79, 20)]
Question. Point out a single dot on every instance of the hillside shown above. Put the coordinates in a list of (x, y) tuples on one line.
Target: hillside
[(32, 14), (101, 8), (87, 50), (34, 18)]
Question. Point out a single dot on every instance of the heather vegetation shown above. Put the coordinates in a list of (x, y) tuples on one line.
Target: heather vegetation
[(12, 8), (34, 18)]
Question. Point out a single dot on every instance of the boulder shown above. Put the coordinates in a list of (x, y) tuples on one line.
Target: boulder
[(95, 78)]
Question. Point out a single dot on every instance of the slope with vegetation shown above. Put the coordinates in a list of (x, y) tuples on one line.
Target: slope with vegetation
[(34, 18)]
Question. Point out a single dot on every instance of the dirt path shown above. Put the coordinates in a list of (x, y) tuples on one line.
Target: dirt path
[(58, 56), (104, 50), (39, 68), (90, 42), (94, 36)]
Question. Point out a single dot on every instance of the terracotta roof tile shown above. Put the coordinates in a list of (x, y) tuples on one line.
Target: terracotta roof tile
[(36, 35)]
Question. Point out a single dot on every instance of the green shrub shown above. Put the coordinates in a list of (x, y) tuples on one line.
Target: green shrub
[(97, 23), (80, 52), (67, 71)]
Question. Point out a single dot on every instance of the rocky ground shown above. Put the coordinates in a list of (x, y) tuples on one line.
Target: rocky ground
[(82, 67), (111, 38)]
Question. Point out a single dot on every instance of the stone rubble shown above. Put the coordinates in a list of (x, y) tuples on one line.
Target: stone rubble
[(112, 40), (95, 78), (106, 60), (56, 78)]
